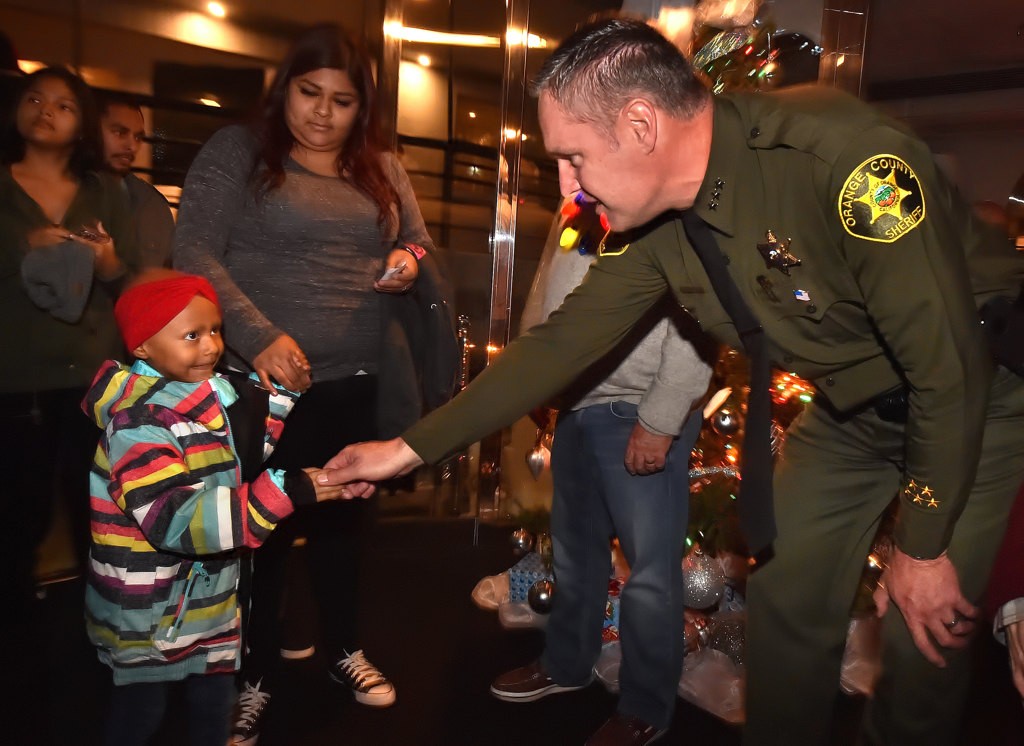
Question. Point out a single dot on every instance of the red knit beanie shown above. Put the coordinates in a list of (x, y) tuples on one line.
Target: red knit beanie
[(146, 307)]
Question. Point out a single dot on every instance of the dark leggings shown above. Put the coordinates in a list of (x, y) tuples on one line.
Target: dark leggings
[(325, 419), (46, 447), (136, 710)]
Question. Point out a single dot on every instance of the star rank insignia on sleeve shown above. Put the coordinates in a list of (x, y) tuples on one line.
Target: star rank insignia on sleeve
[(881, 200), (920, 494)]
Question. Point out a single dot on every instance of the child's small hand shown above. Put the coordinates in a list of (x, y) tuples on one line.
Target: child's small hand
[(324, 491)]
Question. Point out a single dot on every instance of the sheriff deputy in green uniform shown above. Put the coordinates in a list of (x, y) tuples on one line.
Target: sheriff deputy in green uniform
[(865, 270)]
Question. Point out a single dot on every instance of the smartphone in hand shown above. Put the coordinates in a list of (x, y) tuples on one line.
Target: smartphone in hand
[(391, 272)]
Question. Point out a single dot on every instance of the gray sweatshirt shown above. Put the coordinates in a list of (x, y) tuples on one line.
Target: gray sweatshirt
[(654, 367), (300, 261)]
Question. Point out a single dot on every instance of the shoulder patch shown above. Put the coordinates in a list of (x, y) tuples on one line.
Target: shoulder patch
[(881, 200)]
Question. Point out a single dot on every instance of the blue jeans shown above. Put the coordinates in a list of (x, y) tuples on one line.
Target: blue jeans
[(595, 498)]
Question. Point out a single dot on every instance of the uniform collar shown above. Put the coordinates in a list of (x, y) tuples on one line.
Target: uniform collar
[(715, 202)]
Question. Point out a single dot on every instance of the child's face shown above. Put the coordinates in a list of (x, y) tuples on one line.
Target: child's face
[(189, 346)]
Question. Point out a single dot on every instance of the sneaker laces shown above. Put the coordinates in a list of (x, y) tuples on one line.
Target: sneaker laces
[(361, 671), (250, 702)]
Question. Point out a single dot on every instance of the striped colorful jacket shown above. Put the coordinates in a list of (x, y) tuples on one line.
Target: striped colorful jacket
[(168, 512)]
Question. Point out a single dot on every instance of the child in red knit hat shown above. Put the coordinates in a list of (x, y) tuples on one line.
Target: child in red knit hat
[(177, 489)]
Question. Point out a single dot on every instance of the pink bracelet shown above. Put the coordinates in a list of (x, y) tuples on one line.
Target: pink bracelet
[(417, 251)]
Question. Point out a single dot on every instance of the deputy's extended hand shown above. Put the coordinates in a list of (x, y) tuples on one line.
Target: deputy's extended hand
[(357, 466), (645, 451), (927, 593)]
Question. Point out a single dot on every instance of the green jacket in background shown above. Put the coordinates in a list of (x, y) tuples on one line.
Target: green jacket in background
[(892, 268), (43, 353)]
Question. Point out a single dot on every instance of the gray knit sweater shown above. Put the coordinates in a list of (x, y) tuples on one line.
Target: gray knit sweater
[(300, 261), (655, 367)]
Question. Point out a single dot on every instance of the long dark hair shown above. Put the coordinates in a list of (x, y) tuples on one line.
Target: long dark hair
[(85, 153), (327, 46)]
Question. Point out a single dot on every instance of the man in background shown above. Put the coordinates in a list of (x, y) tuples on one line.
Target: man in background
[(123, 131)]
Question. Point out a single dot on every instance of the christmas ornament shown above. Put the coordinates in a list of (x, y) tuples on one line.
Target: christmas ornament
[(721, 44), (717, 400), (778, 437), (695, 631), (708, 471), (726, 635), (704, 580), (725, 422), (728, 13), (522, 542), (541, 595), (537, 459)]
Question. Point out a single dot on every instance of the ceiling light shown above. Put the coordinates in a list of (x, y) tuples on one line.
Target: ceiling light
[(210, 101), (423, 60), (520, 37), (396, 30), (216, 9), (472, 115)]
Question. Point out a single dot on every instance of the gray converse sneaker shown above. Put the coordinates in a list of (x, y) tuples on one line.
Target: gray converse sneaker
[(367, 683), (252, 702)]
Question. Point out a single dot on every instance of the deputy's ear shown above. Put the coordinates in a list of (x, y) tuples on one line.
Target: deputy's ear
[(141, 352), (642, 122)]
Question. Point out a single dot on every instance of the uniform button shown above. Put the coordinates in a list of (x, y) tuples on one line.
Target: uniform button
[(812, 308), (830, 381), (756, 132), (727, 260)]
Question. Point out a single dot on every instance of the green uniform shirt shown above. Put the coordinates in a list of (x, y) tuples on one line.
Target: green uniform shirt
[(892, 267)]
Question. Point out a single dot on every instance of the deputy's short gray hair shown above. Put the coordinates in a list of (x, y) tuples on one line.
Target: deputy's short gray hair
[(604, 64)]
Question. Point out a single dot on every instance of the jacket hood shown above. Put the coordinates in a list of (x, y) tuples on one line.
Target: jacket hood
[(117, 387)]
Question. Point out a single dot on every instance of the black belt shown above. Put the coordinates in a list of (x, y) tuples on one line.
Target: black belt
[(892, 406)]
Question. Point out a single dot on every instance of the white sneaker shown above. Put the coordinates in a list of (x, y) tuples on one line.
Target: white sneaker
[(367, 683), (248, 710)]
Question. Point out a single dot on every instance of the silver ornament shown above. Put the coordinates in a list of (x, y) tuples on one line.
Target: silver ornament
[(709, 471), (727, 632), (704, 580), (778, 437), (541, 595), (522, 542), (537, 459), (725, 422)]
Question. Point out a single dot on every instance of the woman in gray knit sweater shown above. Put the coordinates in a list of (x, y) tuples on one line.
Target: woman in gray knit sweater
[(301, 222)]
